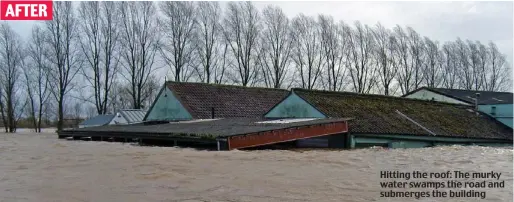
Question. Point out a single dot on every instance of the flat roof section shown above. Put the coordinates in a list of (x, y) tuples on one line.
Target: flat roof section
[(235, 133)]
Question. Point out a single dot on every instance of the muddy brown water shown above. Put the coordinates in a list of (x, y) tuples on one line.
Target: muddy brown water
[(43, 168)]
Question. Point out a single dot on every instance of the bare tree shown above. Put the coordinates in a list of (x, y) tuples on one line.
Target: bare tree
[(220, 71), (360, 44), (241, 31), (432, 70), (178, 26), (276, 46), (483, 57), (474, 65), (99, 28), (63, 54), (11, 60), (332, 45), (416, 47), (36, 76), (111, 32), (464, 70), (210, 48), (499, 72), (402, 54), (77, 111), (385, 49), (139, 38), (150, 91), (31, 97), (2, 111), (91, 111), (120, 97), (449, 59), (307, 55)]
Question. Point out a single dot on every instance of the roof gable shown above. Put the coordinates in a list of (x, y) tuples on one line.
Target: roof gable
[(468, 96), (167, 106), (293, 106), (393, 115), (226, 100)]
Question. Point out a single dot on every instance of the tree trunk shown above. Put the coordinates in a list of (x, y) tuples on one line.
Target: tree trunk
[(60, 120), (10, 114), (4, 120)]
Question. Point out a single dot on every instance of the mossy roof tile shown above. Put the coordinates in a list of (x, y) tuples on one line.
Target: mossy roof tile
[(378, 114)]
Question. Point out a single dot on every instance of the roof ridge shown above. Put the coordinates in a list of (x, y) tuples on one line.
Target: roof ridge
[(485, 91), (376, 96), (225, 85)]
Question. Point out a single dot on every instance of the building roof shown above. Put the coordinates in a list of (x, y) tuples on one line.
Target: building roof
[(227, 100), (208, 127), (380, 114), (468, 96), (99, 120), (133, 115)]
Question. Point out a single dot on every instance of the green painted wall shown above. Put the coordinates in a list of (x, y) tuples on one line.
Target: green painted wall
[(502, 112), (294, 107), (167, 107), (403, 141), (368, 142)]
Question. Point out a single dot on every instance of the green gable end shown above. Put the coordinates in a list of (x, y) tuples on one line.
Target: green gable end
[(294, 107), (167, 107)]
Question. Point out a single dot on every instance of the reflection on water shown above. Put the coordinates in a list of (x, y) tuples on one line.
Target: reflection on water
[(43, 168)]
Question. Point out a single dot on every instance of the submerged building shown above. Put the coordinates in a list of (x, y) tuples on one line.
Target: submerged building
[(225, 116), (234, 117), (223, 134), (495, 104), (387, 121)]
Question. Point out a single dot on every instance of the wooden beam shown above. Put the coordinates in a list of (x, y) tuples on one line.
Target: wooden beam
[(286, 135)]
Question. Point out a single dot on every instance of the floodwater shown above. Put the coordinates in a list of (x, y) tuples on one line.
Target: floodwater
[(42, 168)]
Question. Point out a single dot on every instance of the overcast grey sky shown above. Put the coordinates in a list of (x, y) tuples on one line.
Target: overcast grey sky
[(442, 21)]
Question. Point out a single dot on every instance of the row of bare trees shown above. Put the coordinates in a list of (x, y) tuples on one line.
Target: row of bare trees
[(87, 49), (269, 49), (375, 59), (108, 54)]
